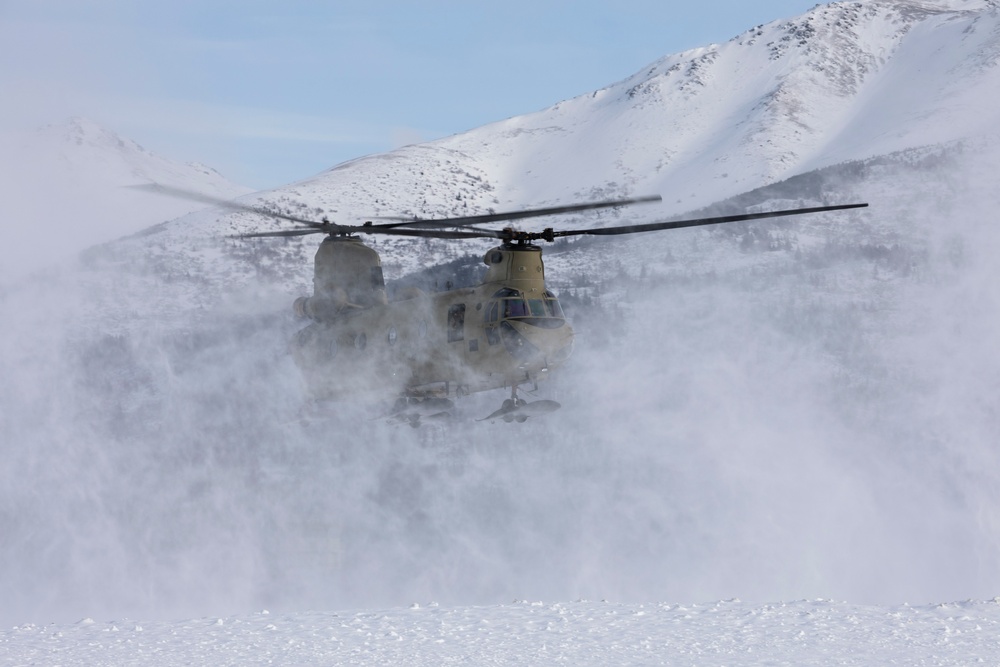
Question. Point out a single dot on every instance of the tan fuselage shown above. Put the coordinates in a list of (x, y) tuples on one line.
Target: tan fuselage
[(504, 332)]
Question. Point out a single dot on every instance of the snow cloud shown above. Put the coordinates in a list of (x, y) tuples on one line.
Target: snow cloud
[(738, 421)]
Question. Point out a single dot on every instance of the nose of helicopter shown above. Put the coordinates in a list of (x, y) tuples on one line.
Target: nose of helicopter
[(539, 346)]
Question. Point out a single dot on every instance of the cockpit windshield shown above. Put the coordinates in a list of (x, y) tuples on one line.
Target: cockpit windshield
[(510, 304)]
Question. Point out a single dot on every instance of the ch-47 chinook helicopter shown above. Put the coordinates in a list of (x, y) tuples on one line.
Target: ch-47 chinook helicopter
[(507, 332)]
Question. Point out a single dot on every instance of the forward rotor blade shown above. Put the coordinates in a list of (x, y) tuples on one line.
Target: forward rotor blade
[(699, 222), (518, 215)]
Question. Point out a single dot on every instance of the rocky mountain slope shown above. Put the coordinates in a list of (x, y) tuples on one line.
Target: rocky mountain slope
[(844, 82)]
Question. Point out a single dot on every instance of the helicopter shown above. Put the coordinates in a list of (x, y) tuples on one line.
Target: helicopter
[(421, 349)]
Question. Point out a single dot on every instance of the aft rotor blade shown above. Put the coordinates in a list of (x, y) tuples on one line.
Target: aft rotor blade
[(370, 229), (699, 222), (181, 193), (518, 215), (284, 232)]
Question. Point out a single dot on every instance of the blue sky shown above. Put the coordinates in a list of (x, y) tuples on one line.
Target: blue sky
[(270, 92)]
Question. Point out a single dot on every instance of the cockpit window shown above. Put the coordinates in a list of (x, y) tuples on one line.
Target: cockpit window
[(510, 304), (515, 308), (552, 303)]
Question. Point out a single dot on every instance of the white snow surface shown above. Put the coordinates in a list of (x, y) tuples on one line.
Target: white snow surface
[(731, 632)]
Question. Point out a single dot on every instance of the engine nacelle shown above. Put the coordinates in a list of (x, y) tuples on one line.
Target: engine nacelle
[(347, 274), (322, 308)]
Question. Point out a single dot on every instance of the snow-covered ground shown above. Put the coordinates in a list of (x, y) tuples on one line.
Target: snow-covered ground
[(731, 632)]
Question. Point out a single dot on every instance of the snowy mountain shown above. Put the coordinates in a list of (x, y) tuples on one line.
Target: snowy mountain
[(67, 179), (847, 81), (775, 411)]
